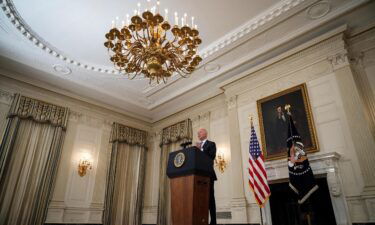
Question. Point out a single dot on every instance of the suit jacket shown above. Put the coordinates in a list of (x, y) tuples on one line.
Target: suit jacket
[(209, 148)]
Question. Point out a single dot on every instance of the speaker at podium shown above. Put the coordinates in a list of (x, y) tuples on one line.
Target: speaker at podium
[(189, 171)]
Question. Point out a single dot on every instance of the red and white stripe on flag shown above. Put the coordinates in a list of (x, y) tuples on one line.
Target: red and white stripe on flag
[(257, 172)]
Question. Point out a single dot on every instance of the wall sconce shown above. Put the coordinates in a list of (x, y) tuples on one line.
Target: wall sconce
[(83, 165), (220, 162)]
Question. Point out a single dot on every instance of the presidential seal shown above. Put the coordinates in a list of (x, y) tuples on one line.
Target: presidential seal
[(179, 159)]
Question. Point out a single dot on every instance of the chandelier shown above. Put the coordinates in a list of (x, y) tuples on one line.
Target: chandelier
[(147, 44)]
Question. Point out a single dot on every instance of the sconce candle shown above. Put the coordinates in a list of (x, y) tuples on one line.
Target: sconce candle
[(83, 165), (220, 162)]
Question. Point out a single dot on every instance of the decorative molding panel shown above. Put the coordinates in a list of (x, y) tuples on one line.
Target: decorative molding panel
[(231, 102), (339, 60), (6, 97)]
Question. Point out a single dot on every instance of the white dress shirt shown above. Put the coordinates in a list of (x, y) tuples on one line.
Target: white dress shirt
[(202, 143)]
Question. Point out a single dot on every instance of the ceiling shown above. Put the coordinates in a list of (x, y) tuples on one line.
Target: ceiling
[(58, 45)]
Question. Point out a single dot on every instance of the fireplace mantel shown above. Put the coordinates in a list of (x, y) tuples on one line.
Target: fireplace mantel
[(326, 164)]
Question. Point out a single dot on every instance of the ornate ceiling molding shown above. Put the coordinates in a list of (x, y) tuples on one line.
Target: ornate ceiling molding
[(266, 17), (19, 23), (254, 24), (318, 10)]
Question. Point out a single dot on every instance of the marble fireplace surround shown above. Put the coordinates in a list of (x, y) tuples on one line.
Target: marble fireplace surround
[(326, 164)]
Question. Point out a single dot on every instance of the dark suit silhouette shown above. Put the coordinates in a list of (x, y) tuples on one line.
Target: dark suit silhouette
[(209, 148)]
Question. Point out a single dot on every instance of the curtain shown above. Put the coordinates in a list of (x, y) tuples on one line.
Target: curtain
[(171, 139), (29, 155), (125, 178)]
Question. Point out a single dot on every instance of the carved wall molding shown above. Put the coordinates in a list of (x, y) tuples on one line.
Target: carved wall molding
[(339, 60), (231, 102), (205, 116), (75, 116), (6, 97), (195, 120), (356, 59)]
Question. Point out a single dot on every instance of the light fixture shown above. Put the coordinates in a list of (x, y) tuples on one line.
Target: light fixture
[(143, 45), (83, 166), (220, 162)]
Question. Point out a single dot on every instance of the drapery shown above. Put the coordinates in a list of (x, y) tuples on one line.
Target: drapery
[(125, 177), (29, 155), (171, 139)]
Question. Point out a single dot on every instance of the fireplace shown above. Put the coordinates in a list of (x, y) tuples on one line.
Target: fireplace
[(317, 210), (326, 170)]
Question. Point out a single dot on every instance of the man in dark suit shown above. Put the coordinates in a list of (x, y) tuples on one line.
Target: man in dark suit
[(209, 148)]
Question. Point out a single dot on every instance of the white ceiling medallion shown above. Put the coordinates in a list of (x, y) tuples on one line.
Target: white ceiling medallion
[(211, 67), (62, 69), (318, 10)]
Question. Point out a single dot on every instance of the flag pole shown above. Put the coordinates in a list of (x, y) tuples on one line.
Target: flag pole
[(260, 208), (251, 120), (261, 215)]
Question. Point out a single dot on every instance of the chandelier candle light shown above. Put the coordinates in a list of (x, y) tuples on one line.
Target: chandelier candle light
[(143, 45)]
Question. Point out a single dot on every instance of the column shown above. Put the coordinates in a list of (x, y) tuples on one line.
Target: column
[(238, 203), (355, 107), (364, 89)]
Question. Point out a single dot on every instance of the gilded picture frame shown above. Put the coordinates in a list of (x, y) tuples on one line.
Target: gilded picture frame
[(273, 121)]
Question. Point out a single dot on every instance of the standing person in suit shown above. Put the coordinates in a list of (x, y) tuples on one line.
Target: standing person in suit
[(209, 148)]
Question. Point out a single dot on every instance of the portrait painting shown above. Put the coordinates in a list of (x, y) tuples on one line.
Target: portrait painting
[(274, 120)]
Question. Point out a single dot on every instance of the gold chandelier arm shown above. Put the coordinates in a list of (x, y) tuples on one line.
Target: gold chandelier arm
[(144, 47)]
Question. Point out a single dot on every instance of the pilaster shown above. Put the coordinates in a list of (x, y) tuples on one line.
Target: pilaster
[(238, 201), (356, 107)]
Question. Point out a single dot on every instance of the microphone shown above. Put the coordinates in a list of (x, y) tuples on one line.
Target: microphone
[(185, 144)]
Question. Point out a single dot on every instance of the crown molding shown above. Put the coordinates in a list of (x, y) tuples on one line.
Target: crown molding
[(252, 25), (46, 87), (20, 24)]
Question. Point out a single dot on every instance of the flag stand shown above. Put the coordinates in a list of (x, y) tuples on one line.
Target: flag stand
[(261, 216)]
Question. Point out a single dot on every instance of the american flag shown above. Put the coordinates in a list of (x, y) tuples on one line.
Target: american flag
[(257, 172)]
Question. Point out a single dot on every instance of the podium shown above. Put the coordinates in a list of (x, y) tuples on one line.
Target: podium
[(189, 172)]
